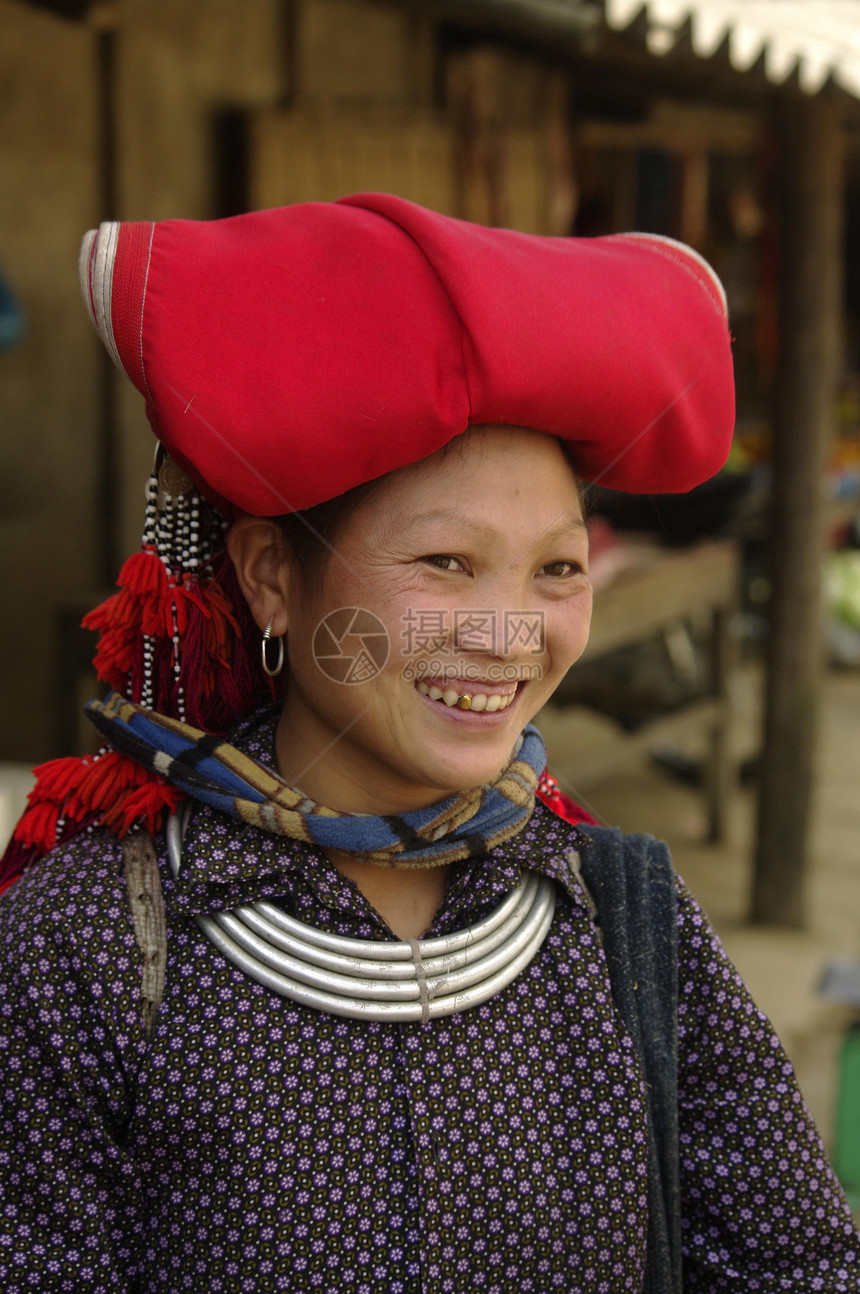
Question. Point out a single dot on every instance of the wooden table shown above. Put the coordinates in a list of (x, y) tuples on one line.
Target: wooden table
[(668, 587)]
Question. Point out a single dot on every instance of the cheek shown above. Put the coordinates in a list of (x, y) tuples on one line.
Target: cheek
[(567, 631), (387, 612), (395, 607)]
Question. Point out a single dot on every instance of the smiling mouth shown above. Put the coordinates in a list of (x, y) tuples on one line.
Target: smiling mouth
[(472, 698)]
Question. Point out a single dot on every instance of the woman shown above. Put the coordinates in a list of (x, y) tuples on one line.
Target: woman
[(351, 999)]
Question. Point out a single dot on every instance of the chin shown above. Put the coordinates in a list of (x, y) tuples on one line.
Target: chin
[(454, 775)]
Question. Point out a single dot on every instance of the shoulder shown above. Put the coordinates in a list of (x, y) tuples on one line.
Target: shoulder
[(629, 868), (637, 848), (71, 1012), (627, 873), (84, 873), (68, 916)]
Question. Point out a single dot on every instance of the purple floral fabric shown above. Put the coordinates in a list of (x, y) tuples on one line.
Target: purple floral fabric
[(258, 1145)]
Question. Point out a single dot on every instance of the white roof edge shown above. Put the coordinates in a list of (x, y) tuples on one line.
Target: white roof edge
[(821, 41)]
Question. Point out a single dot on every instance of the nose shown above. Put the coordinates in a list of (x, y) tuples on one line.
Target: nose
[(523, 633), (506, 632)]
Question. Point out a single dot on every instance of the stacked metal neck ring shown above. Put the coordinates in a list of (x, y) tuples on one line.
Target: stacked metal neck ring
[(365, 979)]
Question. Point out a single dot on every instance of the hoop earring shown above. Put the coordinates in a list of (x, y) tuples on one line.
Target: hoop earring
[(267, 638)]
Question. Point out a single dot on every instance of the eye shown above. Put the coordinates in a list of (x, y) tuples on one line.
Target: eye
[(443, 562), (560, 570)]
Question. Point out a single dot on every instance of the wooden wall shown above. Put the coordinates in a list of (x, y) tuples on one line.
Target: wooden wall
[(478, 131), (177, 62)]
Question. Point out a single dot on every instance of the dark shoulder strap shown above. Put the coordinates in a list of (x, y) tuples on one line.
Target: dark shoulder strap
[(633, 887), (147, 912)]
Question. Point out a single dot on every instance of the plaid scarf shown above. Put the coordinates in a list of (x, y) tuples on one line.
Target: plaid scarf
[(210, 769)]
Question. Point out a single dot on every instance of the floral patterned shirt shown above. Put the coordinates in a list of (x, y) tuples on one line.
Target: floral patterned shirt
[(255, 1144)]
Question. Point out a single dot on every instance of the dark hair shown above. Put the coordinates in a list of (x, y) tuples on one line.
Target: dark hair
[(309, 536)]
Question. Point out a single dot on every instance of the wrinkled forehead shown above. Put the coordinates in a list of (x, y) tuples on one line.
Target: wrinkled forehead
[(488, 445), (479, 484)]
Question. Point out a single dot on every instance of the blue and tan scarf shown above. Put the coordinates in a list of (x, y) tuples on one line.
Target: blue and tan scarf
[(210, 769)]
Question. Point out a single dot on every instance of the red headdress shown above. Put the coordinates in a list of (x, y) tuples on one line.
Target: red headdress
[(288, 355)]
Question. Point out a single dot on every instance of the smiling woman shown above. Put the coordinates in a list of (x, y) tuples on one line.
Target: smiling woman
[(312, 978), (404, 739), (506, 548)]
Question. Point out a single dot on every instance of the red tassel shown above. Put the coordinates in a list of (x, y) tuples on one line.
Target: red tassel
[(144, 575), (37, 827), (110, 789), (119, 622), (142, 606), (145, 807), (220, 679), (107, 781), (56, 779), (561, 804)]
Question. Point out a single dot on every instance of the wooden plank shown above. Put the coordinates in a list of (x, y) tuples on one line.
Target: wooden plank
[(671, 585), (667, 587), (680, 129), (301, 157), (595, 765)]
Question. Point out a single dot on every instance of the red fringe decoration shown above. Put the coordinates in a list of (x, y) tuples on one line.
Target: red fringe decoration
[(561, 804), (108, 789), (145, 807), (211, 619), (218, 681)]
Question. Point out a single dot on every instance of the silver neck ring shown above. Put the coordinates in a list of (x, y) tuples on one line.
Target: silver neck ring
[(368, 979)]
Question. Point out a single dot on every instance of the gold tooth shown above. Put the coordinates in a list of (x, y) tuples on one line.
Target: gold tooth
[(464, 702)]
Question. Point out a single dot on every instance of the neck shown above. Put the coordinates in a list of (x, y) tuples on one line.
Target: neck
[(407, 900)]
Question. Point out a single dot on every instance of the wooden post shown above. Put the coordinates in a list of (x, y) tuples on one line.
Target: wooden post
[(809, 168), (721, 768)]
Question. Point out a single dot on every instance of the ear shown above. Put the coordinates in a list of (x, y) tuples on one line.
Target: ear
[(256, 550)]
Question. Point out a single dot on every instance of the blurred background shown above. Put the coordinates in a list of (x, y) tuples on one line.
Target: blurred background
[(718, 703)]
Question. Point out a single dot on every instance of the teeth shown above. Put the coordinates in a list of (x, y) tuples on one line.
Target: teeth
[(478, 701)]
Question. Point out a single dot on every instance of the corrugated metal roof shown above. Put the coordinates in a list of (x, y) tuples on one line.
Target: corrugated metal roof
[(820, 39)]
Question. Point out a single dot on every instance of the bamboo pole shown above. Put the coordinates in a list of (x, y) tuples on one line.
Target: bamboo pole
[(810, 178)]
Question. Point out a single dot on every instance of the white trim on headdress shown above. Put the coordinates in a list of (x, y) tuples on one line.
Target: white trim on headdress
[(95, 266)]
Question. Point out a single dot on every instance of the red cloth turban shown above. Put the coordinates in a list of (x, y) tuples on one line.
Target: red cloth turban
[(288, 355)]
